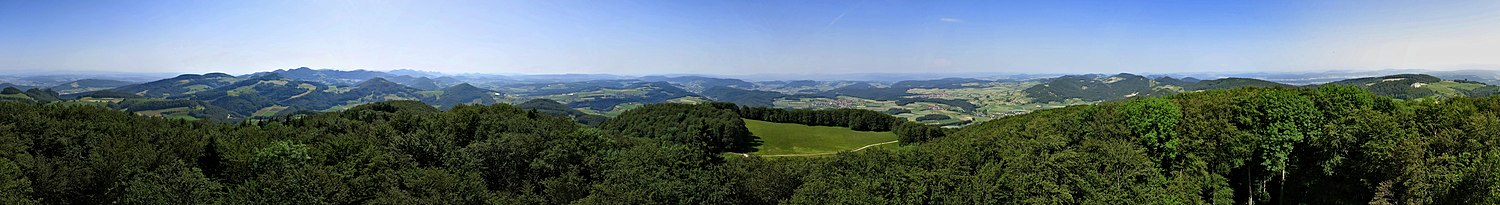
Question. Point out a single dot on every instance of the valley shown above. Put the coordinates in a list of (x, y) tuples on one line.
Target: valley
[(541, 102), (951, 102)]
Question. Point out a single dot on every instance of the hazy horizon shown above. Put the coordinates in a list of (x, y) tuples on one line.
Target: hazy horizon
[(747, 38)]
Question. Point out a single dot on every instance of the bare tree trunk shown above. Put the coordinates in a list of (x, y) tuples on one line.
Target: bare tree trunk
[(1281, 198), (1250, 185)]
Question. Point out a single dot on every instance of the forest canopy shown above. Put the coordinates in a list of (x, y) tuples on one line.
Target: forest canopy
[(1323, 145)]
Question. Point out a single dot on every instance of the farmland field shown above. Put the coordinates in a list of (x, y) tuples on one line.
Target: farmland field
[(169, 113), (269, 111), (787, 138)]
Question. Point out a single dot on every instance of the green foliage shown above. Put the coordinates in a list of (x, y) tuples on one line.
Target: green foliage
[(1232, 83), (281, 155), (11, 91), (554, 108), (753, 98), (463, 94), (1330, 145), (896, 111), (174, 183), (14, 187), (857, 119), (42, 95), (661, 173), (910, 132), (1323, 145), (933, 117), (718, 130), (1155, 121), (396, 106), (1282, 119)]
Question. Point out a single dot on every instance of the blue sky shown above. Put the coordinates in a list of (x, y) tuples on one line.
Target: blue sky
[(749, 37)]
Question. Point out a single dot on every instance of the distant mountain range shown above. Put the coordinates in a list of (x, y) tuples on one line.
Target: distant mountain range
[(221, 96)]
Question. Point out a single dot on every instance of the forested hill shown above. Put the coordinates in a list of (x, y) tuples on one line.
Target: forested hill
[(1125, 85), (1321, 145), (417, 80), (1121, 86), (1413, 86)]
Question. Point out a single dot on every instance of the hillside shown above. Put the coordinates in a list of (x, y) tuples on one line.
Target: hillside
[(379, 89), (1230, 83), (1093, 88), (9, 85), (87, 85), (1414, 86), (31, 95), (326, 76), (605, 99), (265, 95), (558, 109), (463, 94), (698, 83), (422, 83), (354, 77), (178, 86), (1100, 88), (271, 94), (948, 83), (754, 98)]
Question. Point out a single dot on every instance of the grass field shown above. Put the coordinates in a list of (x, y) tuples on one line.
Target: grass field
[(787, 138), (1451, 88), (169, 113), (15, 96), (268, 111)]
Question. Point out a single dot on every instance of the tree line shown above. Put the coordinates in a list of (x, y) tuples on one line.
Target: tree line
[(856, 119), (379, 153)]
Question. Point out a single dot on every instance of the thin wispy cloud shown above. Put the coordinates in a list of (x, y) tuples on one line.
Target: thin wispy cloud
[(951, 20), (836, 19)]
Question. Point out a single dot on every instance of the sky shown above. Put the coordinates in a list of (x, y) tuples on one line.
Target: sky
[(744, 37)]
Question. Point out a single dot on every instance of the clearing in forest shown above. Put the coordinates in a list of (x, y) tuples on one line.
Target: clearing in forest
[(796, 139)]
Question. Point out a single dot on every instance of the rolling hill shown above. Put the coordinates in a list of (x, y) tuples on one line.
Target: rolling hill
[(699, 83), (605, 99), (753, 98), (463, 94), (88, 85), (178, 86), (416, 79), (554, 108), (1414, 86), (1094, 88)]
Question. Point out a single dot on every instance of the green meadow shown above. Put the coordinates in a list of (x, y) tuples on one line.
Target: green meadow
[(791, 139)]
